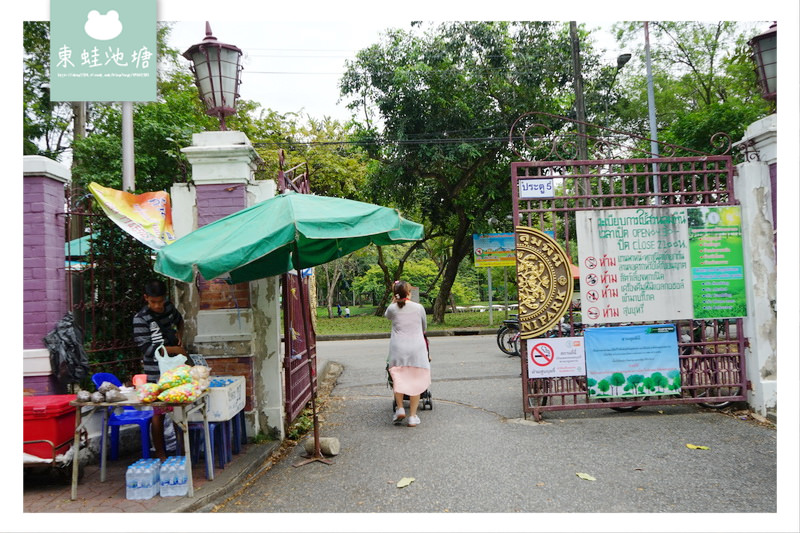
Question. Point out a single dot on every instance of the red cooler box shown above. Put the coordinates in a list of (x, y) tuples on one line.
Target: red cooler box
[(48, 418)]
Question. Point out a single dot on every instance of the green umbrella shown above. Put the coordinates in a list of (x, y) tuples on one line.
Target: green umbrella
[(289, 231)]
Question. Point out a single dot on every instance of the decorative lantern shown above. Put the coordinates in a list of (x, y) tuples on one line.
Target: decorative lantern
[(217, 74), (765, 56)]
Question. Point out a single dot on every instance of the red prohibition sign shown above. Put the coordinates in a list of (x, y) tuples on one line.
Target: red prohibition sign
[(543, 352)]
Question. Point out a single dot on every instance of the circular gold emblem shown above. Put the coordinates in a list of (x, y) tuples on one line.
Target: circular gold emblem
[(544, 279)]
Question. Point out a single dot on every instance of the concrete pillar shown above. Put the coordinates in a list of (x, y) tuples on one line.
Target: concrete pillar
[(44, 283), (235, 327), (755, 189)]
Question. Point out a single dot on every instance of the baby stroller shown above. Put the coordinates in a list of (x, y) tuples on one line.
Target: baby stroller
[(425, 399)]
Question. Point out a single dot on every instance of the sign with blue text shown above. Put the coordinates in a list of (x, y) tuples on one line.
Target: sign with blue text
[(494, 249), (103, 50), (629, 361)]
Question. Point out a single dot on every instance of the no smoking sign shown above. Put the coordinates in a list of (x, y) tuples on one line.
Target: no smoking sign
[(542, 354), (558, 356)]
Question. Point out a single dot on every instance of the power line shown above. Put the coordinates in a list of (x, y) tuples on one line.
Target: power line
[(385, 142)]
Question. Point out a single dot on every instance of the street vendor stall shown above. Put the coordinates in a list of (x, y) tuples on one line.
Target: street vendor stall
[(182, 389), (180, 412)]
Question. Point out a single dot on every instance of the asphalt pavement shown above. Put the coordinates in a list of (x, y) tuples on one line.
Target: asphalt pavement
[(478, 464), (475, 452)]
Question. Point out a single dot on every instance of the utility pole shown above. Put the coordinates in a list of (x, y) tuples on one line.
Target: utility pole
[(580, 110), (651, 107), (128, 175)]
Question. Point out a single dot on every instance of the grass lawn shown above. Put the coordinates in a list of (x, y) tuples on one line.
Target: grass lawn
[(362, 320)]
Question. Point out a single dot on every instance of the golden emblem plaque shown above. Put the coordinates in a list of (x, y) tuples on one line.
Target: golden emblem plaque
[(544, 279)]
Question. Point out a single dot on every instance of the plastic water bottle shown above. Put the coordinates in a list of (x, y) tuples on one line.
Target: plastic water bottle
[(130, 483), (181, 487), (164, 476)]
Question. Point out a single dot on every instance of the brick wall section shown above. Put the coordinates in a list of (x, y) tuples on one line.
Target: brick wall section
[(44, 286), (215, 202), (235, 366)]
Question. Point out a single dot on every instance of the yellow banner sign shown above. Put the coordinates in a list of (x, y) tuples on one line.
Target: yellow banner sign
[(147, 216)]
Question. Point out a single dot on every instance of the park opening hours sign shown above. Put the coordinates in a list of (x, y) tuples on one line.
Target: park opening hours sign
[(661, 263)]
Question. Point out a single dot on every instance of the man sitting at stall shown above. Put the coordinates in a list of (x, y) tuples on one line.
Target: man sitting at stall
[(158, 323)]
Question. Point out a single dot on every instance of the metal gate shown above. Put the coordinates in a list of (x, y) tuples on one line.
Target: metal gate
[(712, 364), (105, 274), (300, 351)]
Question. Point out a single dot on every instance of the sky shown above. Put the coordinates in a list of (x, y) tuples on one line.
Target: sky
[(296, 66), (335, 30)]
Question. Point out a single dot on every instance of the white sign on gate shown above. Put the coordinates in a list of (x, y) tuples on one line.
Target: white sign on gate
[(635, 265), (557, 356)]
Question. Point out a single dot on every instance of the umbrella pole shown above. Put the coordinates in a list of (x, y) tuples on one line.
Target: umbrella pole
[(317, 456)]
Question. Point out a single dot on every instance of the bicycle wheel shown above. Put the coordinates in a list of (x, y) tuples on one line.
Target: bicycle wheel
[(625, 409), (508, 341), (724, 391)]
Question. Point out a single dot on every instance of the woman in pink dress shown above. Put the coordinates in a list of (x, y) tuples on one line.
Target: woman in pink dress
[(409, 364)]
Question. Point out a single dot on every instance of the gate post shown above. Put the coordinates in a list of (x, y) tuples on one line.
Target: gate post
[(757, 191), (236, 328), (44, 284)]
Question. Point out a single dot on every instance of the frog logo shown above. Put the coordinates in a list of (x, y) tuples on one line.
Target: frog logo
[(103, 27)]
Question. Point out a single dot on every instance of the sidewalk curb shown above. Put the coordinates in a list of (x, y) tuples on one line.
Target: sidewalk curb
[(225, 482), (385, 335), (255, 459)]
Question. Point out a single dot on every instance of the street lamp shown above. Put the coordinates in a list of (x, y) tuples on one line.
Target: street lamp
[(765, 56), (622, 59), (217, 74)]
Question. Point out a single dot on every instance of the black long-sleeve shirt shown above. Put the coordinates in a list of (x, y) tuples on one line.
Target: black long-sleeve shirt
[(150, 330)]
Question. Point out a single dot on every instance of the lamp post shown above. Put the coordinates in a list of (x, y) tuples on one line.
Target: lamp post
[(217, 73), (622, 60), (765, 56)]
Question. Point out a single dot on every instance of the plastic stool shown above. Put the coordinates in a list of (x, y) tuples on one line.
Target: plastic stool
[(220, 434), (128, 416), (238, 432)]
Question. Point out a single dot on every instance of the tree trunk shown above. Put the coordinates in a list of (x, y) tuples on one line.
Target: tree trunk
[(461, 248)]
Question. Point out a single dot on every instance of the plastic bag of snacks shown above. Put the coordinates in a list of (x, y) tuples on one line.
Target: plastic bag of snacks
[(201, 375), (188, 392), (148, 392), (177, 376)]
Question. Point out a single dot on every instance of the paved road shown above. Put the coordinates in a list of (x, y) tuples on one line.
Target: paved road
[(472, 453)]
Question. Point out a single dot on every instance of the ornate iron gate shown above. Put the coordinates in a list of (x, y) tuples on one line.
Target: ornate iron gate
[(105, 274), (712, 365)]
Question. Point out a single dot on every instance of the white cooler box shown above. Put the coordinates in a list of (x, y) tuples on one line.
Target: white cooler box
[(226, 398)]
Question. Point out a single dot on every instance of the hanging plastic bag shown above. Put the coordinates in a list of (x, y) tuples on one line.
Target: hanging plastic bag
[(167, 362)]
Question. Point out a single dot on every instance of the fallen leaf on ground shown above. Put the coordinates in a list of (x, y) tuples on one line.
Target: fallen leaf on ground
[(696, 447), (405, 482), (587, 477)]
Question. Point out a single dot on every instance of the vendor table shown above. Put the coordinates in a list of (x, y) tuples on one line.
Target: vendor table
[(180, 416)]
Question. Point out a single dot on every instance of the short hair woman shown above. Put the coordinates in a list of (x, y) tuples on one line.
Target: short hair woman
[(409, 364)]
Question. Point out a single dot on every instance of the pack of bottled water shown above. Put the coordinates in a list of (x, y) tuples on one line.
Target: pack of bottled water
[(142, 479), (174, 476)]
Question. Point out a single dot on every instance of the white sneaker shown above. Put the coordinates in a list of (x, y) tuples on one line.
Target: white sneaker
[(399, 414), (413, 421)]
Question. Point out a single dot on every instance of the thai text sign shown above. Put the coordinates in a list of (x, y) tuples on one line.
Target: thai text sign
[(103, 50), (632, 361), (494, 249), (655, 264), (536, 188), (557, 356)]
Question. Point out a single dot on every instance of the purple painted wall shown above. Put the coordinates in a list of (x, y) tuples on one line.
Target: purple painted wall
[(44, 300), (44, 285), (219, 200), (215, 201)]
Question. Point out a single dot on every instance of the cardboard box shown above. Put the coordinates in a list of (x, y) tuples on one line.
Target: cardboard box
[(226, 398)]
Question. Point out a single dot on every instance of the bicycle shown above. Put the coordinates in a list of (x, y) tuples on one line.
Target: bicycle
[(508, 336)]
